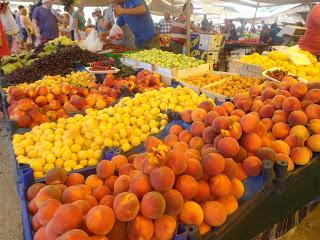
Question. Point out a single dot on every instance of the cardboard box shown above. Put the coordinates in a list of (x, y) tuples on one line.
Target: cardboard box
[(245, 69), (211, 42)]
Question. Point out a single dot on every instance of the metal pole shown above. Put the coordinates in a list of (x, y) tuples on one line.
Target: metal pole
[(255, 15), (188, 27)]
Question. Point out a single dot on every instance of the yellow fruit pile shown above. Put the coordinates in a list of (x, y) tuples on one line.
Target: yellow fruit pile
[(78, 79), (78, 141), (278, 59), (206, 79), (63, 40)]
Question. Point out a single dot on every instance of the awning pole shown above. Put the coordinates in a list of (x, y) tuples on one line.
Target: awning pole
[(255, 15), (188, 27)]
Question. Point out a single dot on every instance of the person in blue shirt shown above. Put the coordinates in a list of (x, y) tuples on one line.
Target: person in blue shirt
[(136, 15)]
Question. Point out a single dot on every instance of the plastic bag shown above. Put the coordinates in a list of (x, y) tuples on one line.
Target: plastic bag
[(9, 24), (92, 42), (116, 32)]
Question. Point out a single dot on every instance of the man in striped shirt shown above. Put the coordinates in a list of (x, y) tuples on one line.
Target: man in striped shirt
[(179, 31), (165, 24)]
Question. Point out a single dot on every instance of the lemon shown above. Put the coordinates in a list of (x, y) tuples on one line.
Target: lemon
[(143, 137), (41, 161), (79, 166), (98, 140), (84, 162), (125, 147), (68, 169), (36, 166), (122, 133), (66, 156), (135, 141), (83, 155), (107, 142), (94, 146), (48, 166), (115, 143), (37, 175), (74, 157), (68, 142), (50, 158), (70, 164), (92, 162), (75, 148), (145, 128), (19, 151), (155, 130), (59, 162)]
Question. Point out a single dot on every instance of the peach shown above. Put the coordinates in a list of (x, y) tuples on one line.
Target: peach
[(198, 114), (252, 166), (313, 95), (120, 160), (119, 231), (47, 192), (220, 110), (74, 179), (121, 184), (215, 213), (213, 163), (238, 112), (237, 189), (280, 116), (284, 157), (268, 93), (105, 169), (35, 224), (261, 131), (208, 119), (100, 220), (266, 153), (305, 104), (298, 90), (40, 234), (153, 205), (164, 227), (217, 140), (140, 185), (193, 153), (187, 186), (228, 107), (203, 193), (297, 118), (100, 191), (242, 154), (230, 168), (280, 130), (196, 143), (47, 210), (251, 142), (126, 169), (208, 150), (174, 202), (243, 102), (314, 143), (66, 217), (277, 101), (300, 131), (313, 111), (300, 155), (91, 200), (72, 193), (170, 140), (197, 128), (50, 231), (83, 205), (177, 161), (294, 141), (32, 207), (220, 185), (191, 213), (140, 228), (138, 161), (241, 175), (204, 228), (228, 147), (33, 190), (230, 203), (291, 104), (267, 122), (109, 182), (220, 123), (175, 129), (256, 105), (185, 136), (206, 105), (266, 111), (74, 234), (148, 166), (194, 168), (186, 116), (255, 91), (107, 200), (181, 146), (314, 126), (126, 206), (249, 123), (93, 181)]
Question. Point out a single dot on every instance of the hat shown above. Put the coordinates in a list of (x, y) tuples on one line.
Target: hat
[(97, 9), (45, 1)]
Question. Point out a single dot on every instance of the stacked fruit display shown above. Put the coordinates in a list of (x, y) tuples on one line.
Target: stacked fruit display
[(277, 59), (166, 59), (206, 79), (77, 142)]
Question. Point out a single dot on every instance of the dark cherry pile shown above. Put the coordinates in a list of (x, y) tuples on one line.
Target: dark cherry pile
[(61, 62)]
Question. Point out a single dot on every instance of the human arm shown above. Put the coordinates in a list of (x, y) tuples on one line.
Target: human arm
[(76, 25), (35, 27), (139, 10), (25, 22)]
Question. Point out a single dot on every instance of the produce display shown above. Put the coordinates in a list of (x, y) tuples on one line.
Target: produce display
[(12, 63), (233, 85), (166, 59), (61, 62), (281, 60), (279, 74), (206, 79), (116, 48), (77, 142)]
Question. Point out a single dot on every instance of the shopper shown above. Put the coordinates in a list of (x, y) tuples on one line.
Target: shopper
[(165, 24), (136, 14), (179, 31), (265, 34), (69, 10), (4, 48), (17, 17), (26, 29), (79, 23), (274, 30), (101, 26), (205, 24), (45, 22), (311, 40)]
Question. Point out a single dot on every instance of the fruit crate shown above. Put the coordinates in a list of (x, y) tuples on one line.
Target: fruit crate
[(266, 76), (147, 66), (129, 62), (245, 69)]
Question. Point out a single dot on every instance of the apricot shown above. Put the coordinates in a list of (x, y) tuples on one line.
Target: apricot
[(109, 182), (300, 131), (55, 176), (203, 193), (220, 123), (277, 101), (313, 111), (220, 185), (291, 104), (242, 154), (209, 150), (213, 163), (252, 166), (105, 169), (94, 237), (47, 210), (193, 153), (185, 136), (237, 188), (120, 160), (66, 217), (177, 161), (280, 116), (255, 91), (314, 143), (126, 206), (164, 227), (298, 90), (230, 203), (204, 228), (74, 179), (314, 126), (284, 157), (294, 141), (313, 95), (191, 213), (243, 102), (186, 116), (107, 200), (249, 123), (75, 234), (194, 168), (140, 228), (251, 142), (174, 202), (267, 122), (181, 146), (228, 107), (217, 140), (280, 130), (175, 129), (83, 205), (230, 168), (121, 184), (305, 104), (93, 181), (238, 112), (228, 147), (198, 114), (208, 119), (300, 155), (196, 143), (72, 193), (268, 93), (187, 186), (47, 192), (197, 128), (256, 105), (100, 191), (153, 205), (215, 213), (266, 111), (33, 190), (297, 118), (171, 140)]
